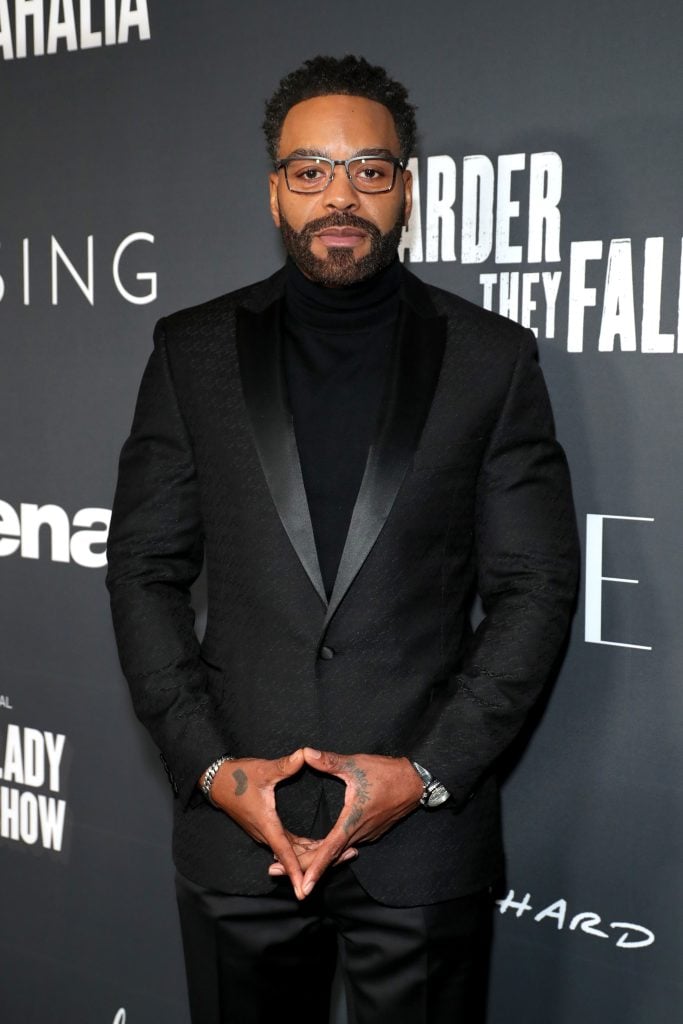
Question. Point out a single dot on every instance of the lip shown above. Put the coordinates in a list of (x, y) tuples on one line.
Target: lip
[(347, 237)]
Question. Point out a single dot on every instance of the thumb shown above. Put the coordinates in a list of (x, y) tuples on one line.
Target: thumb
[(291, 765), (325, 760)]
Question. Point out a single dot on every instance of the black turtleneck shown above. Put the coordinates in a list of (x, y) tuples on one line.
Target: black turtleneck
[(337, 342)]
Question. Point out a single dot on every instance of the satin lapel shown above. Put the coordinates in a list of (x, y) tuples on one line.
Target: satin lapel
[(408, 392), (259, 347)]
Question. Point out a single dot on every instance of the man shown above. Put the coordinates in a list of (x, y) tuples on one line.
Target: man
[(353, 453)]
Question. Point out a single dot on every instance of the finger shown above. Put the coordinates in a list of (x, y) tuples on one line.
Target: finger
[(303, 854), (304, 849), (348, 854), (305, 857), (288, 860), (276, 870)]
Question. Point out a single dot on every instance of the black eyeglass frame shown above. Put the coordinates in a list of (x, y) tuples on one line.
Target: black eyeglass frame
[(394, 160)]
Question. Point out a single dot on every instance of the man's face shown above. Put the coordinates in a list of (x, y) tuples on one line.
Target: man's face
[(340, 127)]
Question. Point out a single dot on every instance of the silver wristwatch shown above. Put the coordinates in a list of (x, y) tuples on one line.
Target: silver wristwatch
[(435, 793)]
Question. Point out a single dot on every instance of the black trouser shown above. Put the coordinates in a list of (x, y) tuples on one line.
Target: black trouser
[(259, 959)]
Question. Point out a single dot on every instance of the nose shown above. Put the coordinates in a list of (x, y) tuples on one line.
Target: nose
[(340, 193)]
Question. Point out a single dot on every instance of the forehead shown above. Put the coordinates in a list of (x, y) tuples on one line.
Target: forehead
[(338, 124)]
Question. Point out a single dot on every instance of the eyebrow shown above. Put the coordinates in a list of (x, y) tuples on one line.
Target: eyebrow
[(368, 151)]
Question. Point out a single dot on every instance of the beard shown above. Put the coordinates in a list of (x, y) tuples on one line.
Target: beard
[(340, 267)]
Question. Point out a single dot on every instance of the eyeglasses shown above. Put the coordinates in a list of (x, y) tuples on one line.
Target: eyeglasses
[(314, 173)]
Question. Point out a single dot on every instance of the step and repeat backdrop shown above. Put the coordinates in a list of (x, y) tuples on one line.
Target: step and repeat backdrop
[(133, 179)]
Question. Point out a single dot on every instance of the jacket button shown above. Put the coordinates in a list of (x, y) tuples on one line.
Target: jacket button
[(326, 652)]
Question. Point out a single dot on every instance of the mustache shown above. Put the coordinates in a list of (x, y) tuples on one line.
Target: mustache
[(340, 220)]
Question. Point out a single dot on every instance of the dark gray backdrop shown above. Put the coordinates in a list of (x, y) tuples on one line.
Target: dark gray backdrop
[(160, 137)]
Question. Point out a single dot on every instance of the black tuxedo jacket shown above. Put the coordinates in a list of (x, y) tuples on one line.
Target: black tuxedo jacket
[(465, 489)]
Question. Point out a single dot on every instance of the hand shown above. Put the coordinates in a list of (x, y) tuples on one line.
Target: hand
[(379, 792), (245, 789)]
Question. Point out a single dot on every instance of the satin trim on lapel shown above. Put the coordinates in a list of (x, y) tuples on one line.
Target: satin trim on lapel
[(259, 348), (408, 392)]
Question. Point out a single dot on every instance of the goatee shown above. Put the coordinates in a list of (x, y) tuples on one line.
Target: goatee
[(340, 266)]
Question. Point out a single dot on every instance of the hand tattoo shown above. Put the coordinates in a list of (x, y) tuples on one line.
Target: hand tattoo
[(362, 794), (240, 778)]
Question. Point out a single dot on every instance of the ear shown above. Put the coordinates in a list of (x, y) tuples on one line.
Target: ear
[(273, 181), (408, 192)]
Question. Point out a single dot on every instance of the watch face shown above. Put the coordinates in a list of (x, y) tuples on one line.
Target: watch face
[(438, 796)]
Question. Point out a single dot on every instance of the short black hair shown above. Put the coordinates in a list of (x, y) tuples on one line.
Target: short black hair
[(345, 76)]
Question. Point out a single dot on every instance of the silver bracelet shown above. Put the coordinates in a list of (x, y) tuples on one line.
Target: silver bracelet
[(211, 775)]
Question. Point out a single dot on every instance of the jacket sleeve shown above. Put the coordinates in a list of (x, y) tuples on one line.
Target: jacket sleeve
[(527, 571), (155, 553)]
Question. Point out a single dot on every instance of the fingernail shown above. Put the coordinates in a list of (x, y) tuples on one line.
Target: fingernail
[(308, 887), (314, 752)]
